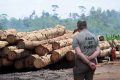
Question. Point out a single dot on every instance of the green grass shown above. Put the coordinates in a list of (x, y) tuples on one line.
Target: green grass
[(112, 36)]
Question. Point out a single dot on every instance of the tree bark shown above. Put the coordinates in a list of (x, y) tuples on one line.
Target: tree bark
[(105, 52), (8, 49), (41, 50), (30, 44), (4, 33), (12, 39), (29, 61), (65, 36), (42, 61), (61, 43), (59, 53), (104, 45)]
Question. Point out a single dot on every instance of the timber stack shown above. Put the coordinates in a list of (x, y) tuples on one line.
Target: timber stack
[(37, 49)]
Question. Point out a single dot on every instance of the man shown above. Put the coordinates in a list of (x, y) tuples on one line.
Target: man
[(86, 47)]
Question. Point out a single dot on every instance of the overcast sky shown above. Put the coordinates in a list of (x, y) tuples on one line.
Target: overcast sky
[(22, 8)]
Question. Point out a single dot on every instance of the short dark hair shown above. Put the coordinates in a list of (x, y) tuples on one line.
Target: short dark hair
[(81, 25)]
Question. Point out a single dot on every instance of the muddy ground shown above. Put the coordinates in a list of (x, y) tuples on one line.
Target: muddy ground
[(59, 71)]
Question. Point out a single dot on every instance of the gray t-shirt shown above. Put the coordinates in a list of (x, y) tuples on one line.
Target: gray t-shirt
[(86, 41)]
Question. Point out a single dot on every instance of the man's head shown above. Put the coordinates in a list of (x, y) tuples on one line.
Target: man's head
[(81, 25)]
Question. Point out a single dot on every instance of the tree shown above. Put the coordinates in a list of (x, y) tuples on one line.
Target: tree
[(82, 9), (55, 7), (3, 21), (32, 15)]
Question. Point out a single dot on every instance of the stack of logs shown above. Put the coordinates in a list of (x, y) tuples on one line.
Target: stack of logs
[(106, 46), (35, 49), (116, 44), (40, 48)]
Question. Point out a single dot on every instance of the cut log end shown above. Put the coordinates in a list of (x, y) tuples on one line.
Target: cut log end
[(21, 45), (55, 57), (41, 51), (38, 63), (11, 39), (6, 62), (55, 46), (70, 56), (12, 55)]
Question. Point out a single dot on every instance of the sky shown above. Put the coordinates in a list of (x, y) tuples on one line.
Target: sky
[(23, 8)]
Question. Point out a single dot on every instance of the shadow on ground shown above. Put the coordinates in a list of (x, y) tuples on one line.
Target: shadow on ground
[(62, 64)]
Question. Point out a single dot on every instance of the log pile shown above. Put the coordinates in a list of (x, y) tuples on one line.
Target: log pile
[(105, 48), (35, 49)]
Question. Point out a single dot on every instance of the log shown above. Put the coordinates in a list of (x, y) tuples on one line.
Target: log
[(41, 50), (35, 61), (65, 36), (30, 44), (45, 34), (18, 53), (59, 53), (117, 54), (54, 32), (8, 49), (21, 34), (42, 61), (104, 45), (35, 37), (105, 52), (4, 33), (60, 30), (111, 43), (3, 44), (12, 39), (6, 62), (29, 61), (19, 64), (70, 55), (116, 43), (61, 43)]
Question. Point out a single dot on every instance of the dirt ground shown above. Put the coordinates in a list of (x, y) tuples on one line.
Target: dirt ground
[(106, 71)]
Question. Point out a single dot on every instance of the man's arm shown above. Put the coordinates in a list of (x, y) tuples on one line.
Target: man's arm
[(95, 54), (84, 58), (81, 55)]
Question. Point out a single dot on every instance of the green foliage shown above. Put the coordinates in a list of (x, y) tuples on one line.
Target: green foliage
[(100, 22), (112, 36)]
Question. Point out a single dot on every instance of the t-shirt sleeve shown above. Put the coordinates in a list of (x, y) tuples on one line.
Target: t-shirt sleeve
[(75, 43)]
